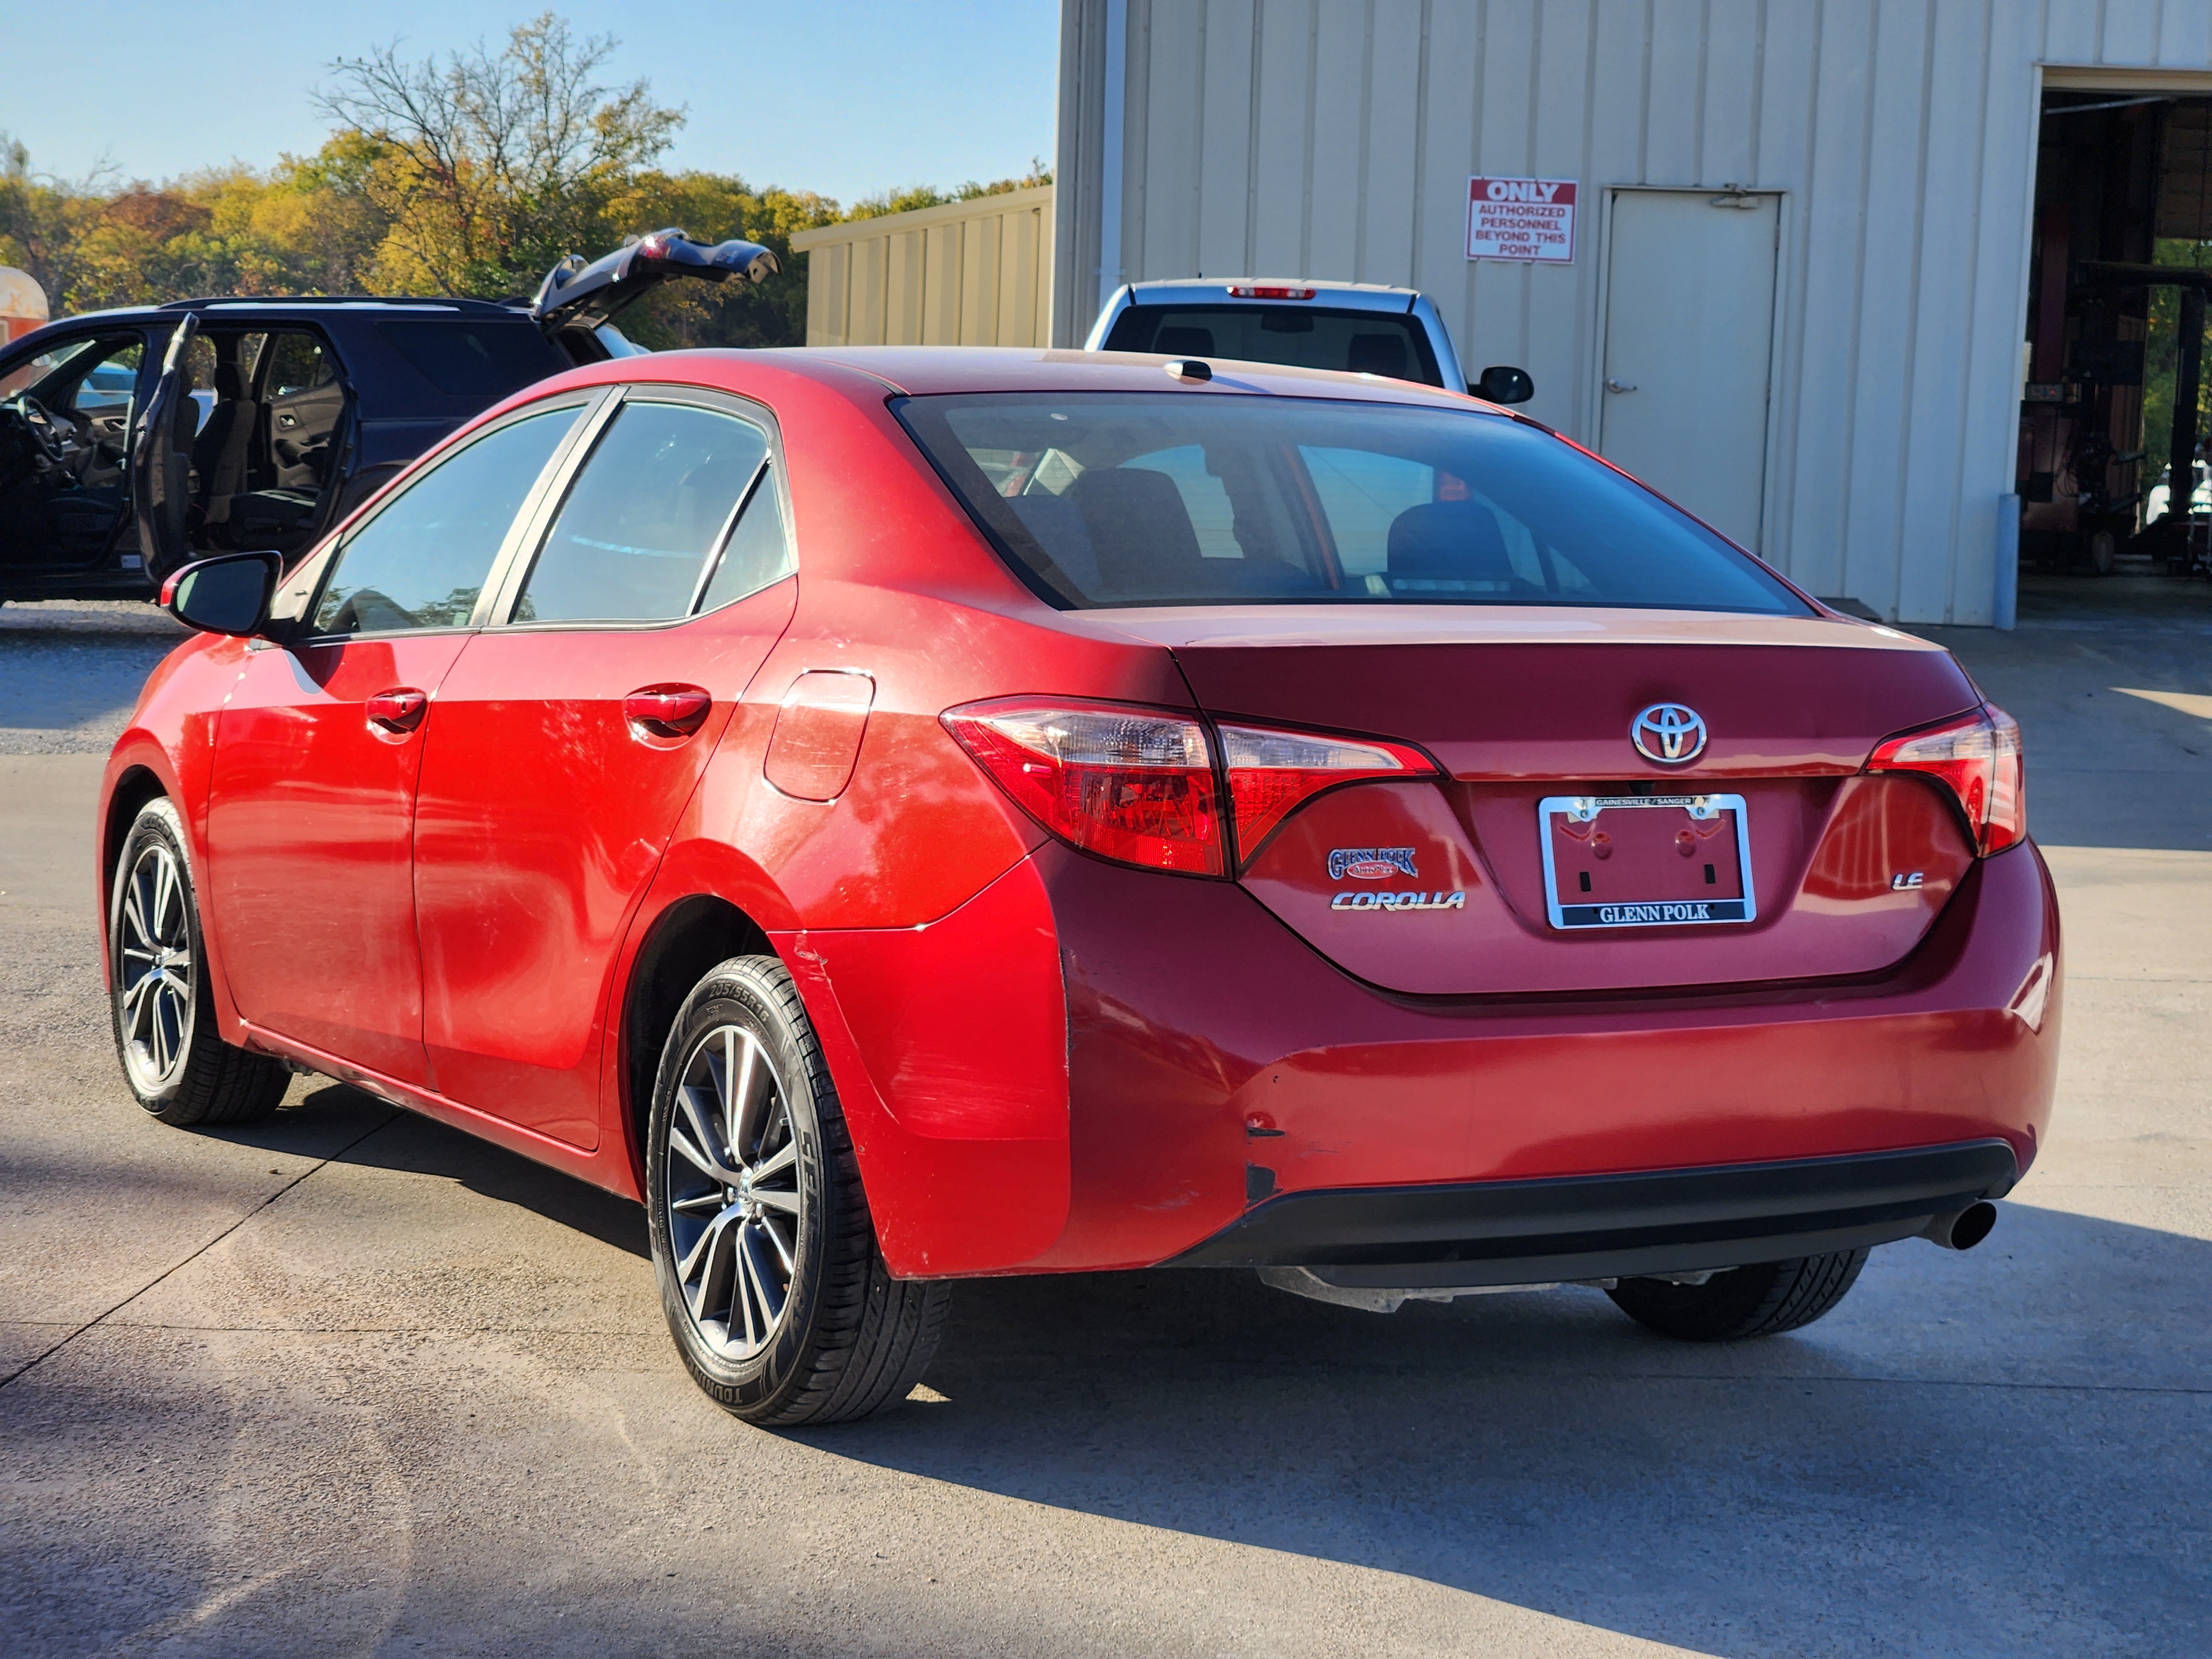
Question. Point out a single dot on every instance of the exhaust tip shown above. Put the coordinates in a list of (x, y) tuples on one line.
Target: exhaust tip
[(1962, 1229)]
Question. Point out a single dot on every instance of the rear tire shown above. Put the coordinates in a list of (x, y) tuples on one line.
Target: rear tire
[(771, 1277), (1759, 1301), (160, 1007)]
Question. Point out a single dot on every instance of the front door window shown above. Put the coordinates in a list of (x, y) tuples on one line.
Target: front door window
[(420, 562)]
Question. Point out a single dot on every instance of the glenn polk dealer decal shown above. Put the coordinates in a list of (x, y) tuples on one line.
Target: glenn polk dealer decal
[(1380, 864), (1370, 863)]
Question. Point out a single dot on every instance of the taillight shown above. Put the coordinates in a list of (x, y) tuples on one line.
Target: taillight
[(1271, 772), (1133, 785), (1242, 291), (1978, 757)]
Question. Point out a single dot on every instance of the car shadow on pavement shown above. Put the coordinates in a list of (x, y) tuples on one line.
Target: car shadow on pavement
[(1972, 1455), (2004, 1452), (348, 1127)]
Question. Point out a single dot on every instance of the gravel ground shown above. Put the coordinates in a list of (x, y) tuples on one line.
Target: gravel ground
[(71, 671)]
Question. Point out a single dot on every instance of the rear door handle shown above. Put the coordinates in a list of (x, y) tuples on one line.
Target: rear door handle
[(398, 710), (1611, 384), (663, 712)]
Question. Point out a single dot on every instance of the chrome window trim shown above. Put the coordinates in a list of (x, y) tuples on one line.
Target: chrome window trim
[(519, 550)]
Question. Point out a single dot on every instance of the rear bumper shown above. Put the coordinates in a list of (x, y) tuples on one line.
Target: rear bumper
[(1195, 1017), (1196, 1083), (1521, 1232)]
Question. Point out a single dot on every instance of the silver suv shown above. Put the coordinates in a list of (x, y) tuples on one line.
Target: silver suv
[(1363, 328)]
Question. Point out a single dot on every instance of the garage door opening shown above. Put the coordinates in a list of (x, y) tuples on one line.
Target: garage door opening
[(2118, 400)]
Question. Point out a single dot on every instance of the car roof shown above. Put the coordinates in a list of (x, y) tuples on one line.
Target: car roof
[(929, 371), (293, 305), (1345, 296)]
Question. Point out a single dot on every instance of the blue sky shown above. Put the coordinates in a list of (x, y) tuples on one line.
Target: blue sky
[(845, 97)]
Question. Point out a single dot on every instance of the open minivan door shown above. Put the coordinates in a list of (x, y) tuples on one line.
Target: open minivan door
[(161, 459), (576, 298)]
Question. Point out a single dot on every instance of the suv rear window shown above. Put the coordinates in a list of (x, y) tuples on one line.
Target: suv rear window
[(474, 359), (1301, 334), (1215, 498)]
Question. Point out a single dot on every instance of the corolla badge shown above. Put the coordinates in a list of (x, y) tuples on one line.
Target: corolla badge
[(1370, 863), (1671, 733)]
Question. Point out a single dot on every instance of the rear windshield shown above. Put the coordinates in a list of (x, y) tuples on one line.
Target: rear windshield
[(1301, 334), (1212, 498), (474, 359)]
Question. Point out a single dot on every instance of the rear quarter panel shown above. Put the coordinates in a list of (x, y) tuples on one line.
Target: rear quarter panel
[(906, 907)]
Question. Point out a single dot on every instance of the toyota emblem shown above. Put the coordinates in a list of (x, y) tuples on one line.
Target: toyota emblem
[(1671, 733)]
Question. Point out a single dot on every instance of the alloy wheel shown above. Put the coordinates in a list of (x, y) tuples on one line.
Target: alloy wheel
[(154, 972), (734, 1208)]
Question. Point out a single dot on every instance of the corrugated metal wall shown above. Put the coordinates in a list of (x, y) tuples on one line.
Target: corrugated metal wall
[(968, 273), (1334, 138)]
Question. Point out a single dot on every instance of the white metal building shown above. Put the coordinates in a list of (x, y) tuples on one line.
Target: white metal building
[(1800, 272)]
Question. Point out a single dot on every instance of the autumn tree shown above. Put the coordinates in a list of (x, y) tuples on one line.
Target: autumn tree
[(471, 173), (487, 166)]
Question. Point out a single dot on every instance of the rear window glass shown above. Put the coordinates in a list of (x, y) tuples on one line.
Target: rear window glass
[(475, 360), (1303, 336), (1202, 498)]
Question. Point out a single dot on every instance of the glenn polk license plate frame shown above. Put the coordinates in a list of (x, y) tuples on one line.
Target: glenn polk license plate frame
[(1671, 911)]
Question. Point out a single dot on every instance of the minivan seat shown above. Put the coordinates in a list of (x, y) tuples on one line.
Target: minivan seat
[(220, 452)]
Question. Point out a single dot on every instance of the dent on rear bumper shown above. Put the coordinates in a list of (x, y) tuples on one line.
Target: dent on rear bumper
[(1191, 1009)]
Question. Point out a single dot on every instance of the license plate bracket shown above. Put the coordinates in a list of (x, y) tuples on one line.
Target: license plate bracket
[(1645, 860)]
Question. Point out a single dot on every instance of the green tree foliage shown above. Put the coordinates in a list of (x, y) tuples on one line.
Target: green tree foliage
[(925, 196), (2159, 365), (468, 175)]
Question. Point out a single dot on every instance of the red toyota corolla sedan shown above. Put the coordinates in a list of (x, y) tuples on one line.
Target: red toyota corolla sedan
[(905, 815)]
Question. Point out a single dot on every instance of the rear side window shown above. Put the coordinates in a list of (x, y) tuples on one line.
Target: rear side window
[(297, 362), (421, 560), (1303, 336), (1213, 498), (759, 552), (658, 497), (474, 359)]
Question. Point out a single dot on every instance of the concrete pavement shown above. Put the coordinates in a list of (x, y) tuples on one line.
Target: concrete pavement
[(350, 1380)]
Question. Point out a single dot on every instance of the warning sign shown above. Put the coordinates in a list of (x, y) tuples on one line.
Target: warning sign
[(1521, 219)]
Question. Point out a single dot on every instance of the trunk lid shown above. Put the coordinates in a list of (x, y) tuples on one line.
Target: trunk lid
[(576, 296), (1535, 707)]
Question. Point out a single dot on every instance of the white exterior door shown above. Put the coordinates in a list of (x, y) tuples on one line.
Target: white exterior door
[(1688, 341)]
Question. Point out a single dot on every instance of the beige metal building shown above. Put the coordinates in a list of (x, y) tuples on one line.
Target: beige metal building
[(1799, 245), (968, 273)]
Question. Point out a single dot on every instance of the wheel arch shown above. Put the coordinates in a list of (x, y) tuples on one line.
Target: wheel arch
[(135, 785), (687, 938)]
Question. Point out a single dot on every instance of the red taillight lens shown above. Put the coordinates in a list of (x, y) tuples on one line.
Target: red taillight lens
[(1979, 758), (1271, 772), (1240, 291), (1133, 785)]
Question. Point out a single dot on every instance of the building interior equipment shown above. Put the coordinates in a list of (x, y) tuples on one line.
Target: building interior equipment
[(2120, 265)]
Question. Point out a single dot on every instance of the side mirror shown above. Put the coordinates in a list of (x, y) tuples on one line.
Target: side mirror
[(1502, 385), (229, 594)]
